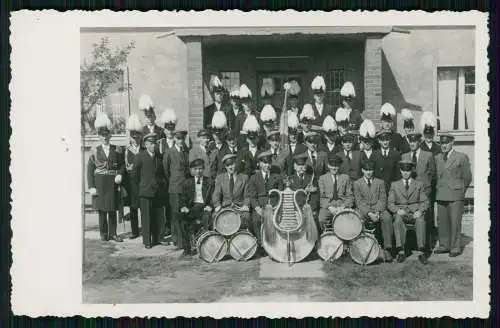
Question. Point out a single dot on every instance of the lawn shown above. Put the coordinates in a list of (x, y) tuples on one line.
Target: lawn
[(116, 279)]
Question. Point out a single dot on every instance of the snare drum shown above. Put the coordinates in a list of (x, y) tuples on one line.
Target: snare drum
[(347, 224), (329, 247), (227, 222), (212, 246), (364, 249), (242, 246)]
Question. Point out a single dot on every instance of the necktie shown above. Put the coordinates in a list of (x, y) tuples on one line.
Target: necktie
[(369, 182), (385, 153), (198, 180), (335, 193), (266, 178), (407, 185), (275, 154), (445, 157), (301, 178), (231, 184), (313, 157), (348, 155), (414, 157)]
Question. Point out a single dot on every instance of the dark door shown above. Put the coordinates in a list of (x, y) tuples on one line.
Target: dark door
[(279, 79)]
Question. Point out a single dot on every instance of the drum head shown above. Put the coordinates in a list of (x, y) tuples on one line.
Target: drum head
[(242, 246), (364, 249), (347, 225), (212, 247), (329, 246), (227, 222)]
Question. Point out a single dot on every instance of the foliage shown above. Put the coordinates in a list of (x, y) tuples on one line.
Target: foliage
[(96, 78)]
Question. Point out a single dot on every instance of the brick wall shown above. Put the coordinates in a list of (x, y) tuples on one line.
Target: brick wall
[(373, 78), (195, 86)]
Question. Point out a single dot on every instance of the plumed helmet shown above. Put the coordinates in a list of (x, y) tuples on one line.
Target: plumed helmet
[(387, 112), (428, 122), (342, 117), (268, 114), (268, 88), (347, 90), (146, 103), (245, 92), (318, 84), (329, 124), (133, 123), (307, 113), (251, 124), (168, 117), (407, 117), (215, 84), (367, 130)]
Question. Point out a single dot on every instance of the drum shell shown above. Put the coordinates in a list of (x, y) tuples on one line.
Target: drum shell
[(208, 249), (249, 243), (329, 246), (227, 222), (364, 249), (347, 224)]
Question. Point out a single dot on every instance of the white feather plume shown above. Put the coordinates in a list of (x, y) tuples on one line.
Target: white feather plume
[(215, 81), (293, 120), (267, 88), (102, 121), (387, 109), (168, 116), (329, 124), (235, 92), (133, 123), (367, 129), (245, 91), (268, 113), (347, 90), (428, 119), (307, 112), (294, 88), (251, 124), (145, 102), (341, 115), (318, 83), (219, 120), (406, 114)]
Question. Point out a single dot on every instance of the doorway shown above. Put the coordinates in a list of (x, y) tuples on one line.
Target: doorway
[(279, 79)]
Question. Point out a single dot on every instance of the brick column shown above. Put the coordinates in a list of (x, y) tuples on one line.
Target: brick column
[(373, 78), (195, 85)]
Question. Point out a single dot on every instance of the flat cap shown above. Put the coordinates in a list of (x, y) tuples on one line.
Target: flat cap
[(197, 162), (228, 159), (150, 137), (334, 160), (181, 134), (300, 158), (265, 155), (446, 138)]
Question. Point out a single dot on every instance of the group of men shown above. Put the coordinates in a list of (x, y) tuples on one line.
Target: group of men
[(338, 158)]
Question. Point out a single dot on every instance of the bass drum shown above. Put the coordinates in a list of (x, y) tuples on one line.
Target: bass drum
[(347, 224), (364, 249), (212, 246), (227, 222), (242, 246), (329, 247)]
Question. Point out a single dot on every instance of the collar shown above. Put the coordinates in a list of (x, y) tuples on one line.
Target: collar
[(417, 152), (366, 180), (312, 153), (218, 105), (451, 152), (201, 179), (264, 174), (368, 151), (318, 105), (178, 148), (348, 110), (150, 153), (409, 181), (219, 145), (384, 150), (252, 147)]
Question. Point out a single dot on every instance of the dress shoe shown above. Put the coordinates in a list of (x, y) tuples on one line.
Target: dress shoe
[(134, 236), (118, 239), (423, 259), (148, 246), (104, 238), (387, 256), (400, 257), (441, 250), (454, 253)]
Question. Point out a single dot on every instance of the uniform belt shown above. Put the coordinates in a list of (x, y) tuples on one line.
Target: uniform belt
[(106, 172)]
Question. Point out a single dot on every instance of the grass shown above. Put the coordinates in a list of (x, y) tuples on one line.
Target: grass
[(164, 279)]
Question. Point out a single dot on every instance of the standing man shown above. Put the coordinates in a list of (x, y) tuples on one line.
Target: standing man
[(343, 125), (330, 133), (218, 95), (246, 110), (371, 202), (351, 159), (147, 106), (335, 189), (428, 125), (321, 110), (408, 202), (367, 134), (202, 151), (279, 154), (219, 131), (294, 146), (268, 118), (148, 172), (348, 94), (175, 164), (168, 120), (104, 174), (408, 128), (250, 154), (387, 116), (386, 160), (307, 119), (453, 178), (317, 160), (293, 97), (234, 109), (302, 180), (131, 184)]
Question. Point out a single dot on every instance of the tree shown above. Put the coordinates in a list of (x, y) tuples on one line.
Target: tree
[(96, 78)]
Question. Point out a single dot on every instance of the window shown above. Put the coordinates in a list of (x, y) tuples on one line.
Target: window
[(230, 80), (334, 80), (456, 98)]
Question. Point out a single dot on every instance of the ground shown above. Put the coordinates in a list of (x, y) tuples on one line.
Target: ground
[(129, 273)]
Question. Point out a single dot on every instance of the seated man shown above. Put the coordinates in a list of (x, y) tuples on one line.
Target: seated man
[(371, 203), (301, 180), (230, 189), (335, 191), (195, 204), (408, 202)]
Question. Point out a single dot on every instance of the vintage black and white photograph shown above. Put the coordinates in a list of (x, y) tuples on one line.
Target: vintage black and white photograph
[(285, 163)]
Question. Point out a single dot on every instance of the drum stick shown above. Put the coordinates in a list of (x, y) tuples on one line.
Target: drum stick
[(368, 254), (334, 253), (216, 254), (239, 253)]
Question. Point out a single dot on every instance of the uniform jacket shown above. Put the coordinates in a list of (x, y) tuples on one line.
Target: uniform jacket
[(257, 189), (355, 119), (149, 174), (247, 163), (216, 156), (387, 168), (364, 157), (107, 190), (198, 153), (231, 118), (425, 169), (162, 145), (435, 148), (321, 164), (351, 167), (453, 176), (326, 148), (222, 195), (370, 199), (176, 168), (345, 196), (188, 195), (279, 163), (297, 183), (160, 134), (327, 110), (399, 143), (412, 200), (130, 183)]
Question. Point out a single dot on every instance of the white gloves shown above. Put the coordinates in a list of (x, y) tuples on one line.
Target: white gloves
[(93, 191), (118, 179)]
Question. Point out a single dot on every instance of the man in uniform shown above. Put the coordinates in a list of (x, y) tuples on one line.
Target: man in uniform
[(348, 95), (246, 110), (168, 119), (330, 133), (300, 179), (306, 121), (294, 146), (371, 202), (321, 109), (104, 174), (351, 159), (335, 189), (195, 204), (147, 106), (248, 164), (408, 128), (268, 118), (453, 178), (175, 164), (219, 132), (149, 174), (218, 94), (408, 201), (293, 97), (202, 151), (279, 154), (428, 124), (387, 116), (343, 126), (367, 133), (317, 160), (234, 109), (386, 159)]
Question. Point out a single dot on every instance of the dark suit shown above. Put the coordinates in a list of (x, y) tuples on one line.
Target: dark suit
[(231, 118), (160, 134), (329, 149), (208, 114), (434, 148), (301, 183), (148, 172), (101, 173), (176, 166), (216, 156), (343, 197), (327, 110), (188, 225), (321, 166), (386, 167), (399, 143), (453, 178), (279, 162), (351, 167), (296, 149), (248, 162), (132, 187)]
